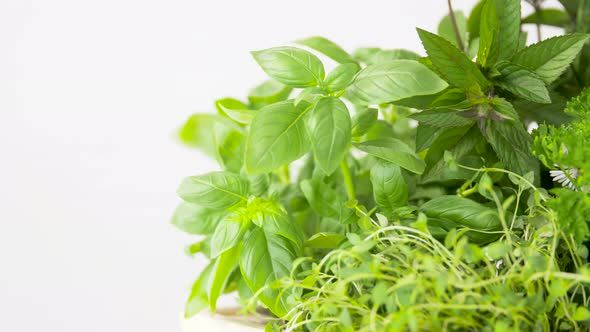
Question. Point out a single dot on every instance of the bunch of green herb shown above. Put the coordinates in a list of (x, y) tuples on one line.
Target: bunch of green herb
[(334, 211)]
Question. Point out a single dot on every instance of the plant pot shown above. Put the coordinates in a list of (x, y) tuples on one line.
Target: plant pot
[(224, 320)]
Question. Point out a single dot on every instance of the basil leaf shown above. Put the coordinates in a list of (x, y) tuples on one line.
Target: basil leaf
[(499, 31), (453, 64), (328, 48), (277, 137), (195, 219), (426, 135), (389, 187), (393, 80), (235, 110), (549, 16), (269, 92), (265, 258), (279, 223), (551, 57), (214, 190), (523, 83), (366, 54), (363, 121), (197, 132), (395, 54), (323, 200), (447, 31), (291, 66), (395, 152), (224, 265), (450, 212), (226, 236), (330, 133), (341, 77), (325, 240), (197, 300)]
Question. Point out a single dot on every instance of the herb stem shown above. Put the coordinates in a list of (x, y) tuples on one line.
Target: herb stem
[(455, 26), (347, 179)]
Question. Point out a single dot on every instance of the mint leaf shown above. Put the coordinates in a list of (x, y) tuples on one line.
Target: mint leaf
[(214, 190), (442, 118), (523, 83), (291, 66), (452, 63), (277, 136), (549, 16), (512, 144), (393, 80), (499, 31), (328, 48), (551, 57), (330, 133), (393, 151)]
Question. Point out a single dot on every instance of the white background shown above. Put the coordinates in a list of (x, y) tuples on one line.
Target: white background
[(91, 93)]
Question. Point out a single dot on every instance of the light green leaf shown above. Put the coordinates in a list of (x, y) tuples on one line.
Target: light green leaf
[(224, 265), (277, 137), (235, 110), (446, 30), (309, 95), (474, 20), (197, 300), (581, 314), (267, 257), (393, 80), (366, 54), (269, 92), (328, 48), (393, 151), (523, 83), (363, 121), (325, 240), (341, 77), (323, 199), (548, 16), (550, 57), (389, 187), (214, 190), (441, 118), (330, 132), (291, 66), (499, 31), (226, 236), (195, 219), (452, 63), (395, 54), (197, 132), (278, 222)]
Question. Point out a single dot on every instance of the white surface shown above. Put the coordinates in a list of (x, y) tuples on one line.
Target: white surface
[(205, 322), (90, 94)]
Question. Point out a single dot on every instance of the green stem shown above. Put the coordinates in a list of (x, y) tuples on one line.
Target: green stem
[(347, 179)]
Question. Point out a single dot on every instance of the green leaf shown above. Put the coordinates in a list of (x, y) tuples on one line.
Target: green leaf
[(581, 314), (446, 30), (474, 21), (341, 77), (583, 17), (389, 187), (497, 250), (269, 92), (426, 135), (197, 132), (224, 265), (512, 144), (265, 258), (195, 219), (499, 31), (550, 57), (328, 48), (523, 83), (395, 54), (548, 16), (214, 190), (197, 300), (504, 109), (393, 80), (450, 212), (363, 121), (323, 199), (309, 95), (278, 222), (452, 63), (235, 110), (395, 152), (277, 137), (291, 66), (325, 240), (366, 54), (441, 118), (330, 133), (226, 236)]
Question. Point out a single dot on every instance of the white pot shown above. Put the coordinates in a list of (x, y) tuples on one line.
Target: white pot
[(224, 320)]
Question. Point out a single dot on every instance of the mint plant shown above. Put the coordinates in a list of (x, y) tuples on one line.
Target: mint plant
[(400, 191)]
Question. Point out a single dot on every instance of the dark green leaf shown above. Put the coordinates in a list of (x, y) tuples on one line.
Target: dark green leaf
[(549, 16), (328, 48), (499, 31), (277, 136), (389, 187), (363, 121), (583, 17), (267, 93), (195, 219), (512, 145), (341, 77), (393, 80), (442, 118), (214, 190), (523, 83), (224, 265), (393, 151), (426, 135), (291, 66)]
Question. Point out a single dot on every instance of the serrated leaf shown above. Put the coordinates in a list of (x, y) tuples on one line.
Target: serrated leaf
[(341, 77), (446, 30), (389, 187), (214, 190), (395, 152), (265, 258), (363, 121), (393, 80), (277, 136), (330, 132), (195, 219), (452, 63), (224, 265), (550, 57), (499, 31), (504, 109), (442, 118), (523, 83), (426, 135), (291, 66), (328, 48), (548, 16), (268, 92)]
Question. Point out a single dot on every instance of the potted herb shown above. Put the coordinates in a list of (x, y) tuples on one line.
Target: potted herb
[(403, 192)]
